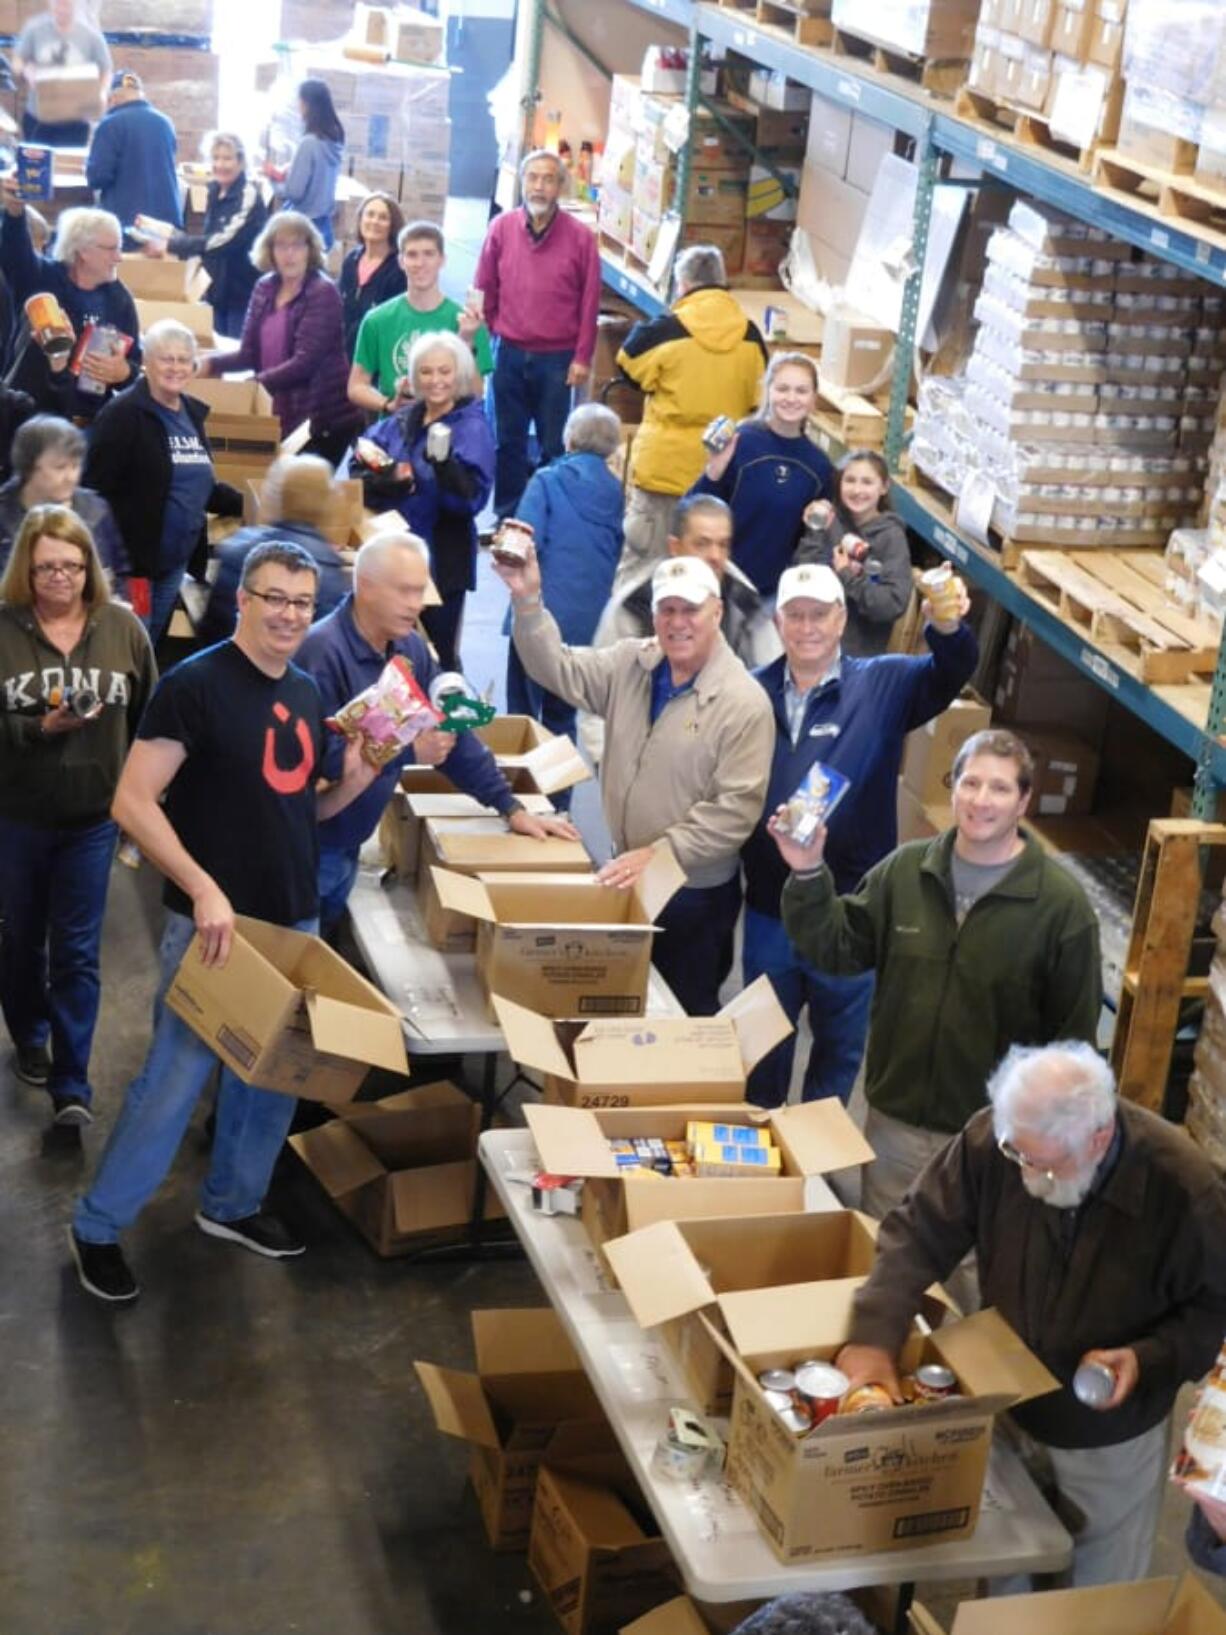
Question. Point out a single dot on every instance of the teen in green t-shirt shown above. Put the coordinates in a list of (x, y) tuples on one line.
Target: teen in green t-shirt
[(378, 378)]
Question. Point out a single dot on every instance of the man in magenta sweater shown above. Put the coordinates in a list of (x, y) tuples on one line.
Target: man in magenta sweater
[(539, 272)]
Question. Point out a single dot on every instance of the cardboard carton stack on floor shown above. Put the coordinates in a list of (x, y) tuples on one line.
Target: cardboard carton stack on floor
[(1089, 398), (181, 81)]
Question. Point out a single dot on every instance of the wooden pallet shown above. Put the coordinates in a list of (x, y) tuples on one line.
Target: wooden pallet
[(1179, 197), (1027, 128), (808, 24), (942, 76), (1156, 968), (856, 421), (1101, 594)]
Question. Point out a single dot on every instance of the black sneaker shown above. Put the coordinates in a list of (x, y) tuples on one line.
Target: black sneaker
[(102, 1269), (71, 1110), (263, 1233), (32, 1065)]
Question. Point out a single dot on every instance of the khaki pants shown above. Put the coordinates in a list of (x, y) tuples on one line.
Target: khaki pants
[(646, 529)]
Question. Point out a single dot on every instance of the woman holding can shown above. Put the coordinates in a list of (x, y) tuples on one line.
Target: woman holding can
[(76, 670), (433, 461)]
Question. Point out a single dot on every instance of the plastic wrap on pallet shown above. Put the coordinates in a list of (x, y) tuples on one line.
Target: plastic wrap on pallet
[(1177, 47)]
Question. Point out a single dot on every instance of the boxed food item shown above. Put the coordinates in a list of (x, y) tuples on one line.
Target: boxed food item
[(476, 846), (402, 1169), (523, 1400), (930, 751), (856, 349), (67, 93), (285, 1012)]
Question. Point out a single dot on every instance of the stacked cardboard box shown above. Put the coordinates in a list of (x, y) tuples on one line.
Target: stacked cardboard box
[(917, 28), (315, 19), (1175, 67), (182, 83), (1088, 400), (1057, 58), (842, 155)]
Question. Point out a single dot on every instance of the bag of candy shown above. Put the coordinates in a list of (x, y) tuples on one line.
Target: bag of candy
[(387, 715), (820, 791)]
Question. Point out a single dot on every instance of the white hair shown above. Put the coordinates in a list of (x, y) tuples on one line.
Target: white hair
[(592, 429), (699, 266), (168, 332), (444, 340), (387, 538), (536, 156), (78, 228), (1064, 1091)]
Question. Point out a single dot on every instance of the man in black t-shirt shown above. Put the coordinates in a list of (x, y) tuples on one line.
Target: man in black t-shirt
[(232, 740)]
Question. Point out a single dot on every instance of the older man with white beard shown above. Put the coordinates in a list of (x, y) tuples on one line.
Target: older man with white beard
[(1099, 1231)]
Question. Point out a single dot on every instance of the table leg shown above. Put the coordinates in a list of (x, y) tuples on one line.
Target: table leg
[(902, 1606)]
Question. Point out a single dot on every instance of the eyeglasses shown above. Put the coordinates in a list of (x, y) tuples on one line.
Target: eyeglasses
[(1009, 1151), (280, 603), (57, 570)]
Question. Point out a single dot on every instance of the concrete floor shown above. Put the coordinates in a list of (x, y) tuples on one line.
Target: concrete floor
[(245, 1451)]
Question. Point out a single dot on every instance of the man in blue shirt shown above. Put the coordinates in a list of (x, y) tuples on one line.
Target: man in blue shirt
[(851, 714), (131, 164), (345, 653)]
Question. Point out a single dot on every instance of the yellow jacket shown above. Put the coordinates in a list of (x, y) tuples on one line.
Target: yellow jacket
[(701, 359)]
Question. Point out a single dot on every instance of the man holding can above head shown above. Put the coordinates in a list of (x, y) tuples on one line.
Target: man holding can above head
[(979, 941), (1098, 1229), (687, 752), (851, 715)]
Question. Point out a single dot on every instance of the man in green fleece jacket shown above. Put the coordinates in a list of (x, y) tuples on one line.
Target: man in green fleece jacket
[(979, 941)]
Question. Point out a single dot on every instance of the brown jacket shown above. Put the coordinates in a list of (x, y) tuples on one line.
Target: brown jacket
[(698, 776), (1145, 1268)]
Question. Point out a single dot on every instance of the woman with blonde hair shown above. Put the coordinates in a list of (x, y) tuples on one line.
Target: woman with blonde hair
[(293, 337), (76, 670)]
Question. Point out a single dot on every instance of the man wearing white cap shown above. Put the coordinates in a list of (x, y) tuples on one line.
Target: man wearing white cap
[(687, 754), (851, 714)]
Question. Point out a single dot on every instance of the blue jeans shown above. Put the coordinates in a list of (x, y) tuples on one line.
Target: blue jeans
[(694, 946), (442, 624), (157, 1108), (53, 885), (338, 869), (324, 223), (838, 1015), (529, 388), (163, 594)]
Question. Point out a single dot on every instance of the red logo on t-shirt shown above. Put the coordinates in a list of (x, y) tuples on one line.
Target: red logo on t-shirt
[(288, 780)]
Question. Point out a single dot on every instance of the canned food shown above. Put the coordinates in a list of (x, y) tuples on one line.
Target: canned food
[(1093, 1383), (718, 434), (777, 1379), (780, 1401), (686, 1447), (798, 1420), (512, 542), (867, 1399), (83, 701), (821, 1386), (934, 1380), (49, 324)]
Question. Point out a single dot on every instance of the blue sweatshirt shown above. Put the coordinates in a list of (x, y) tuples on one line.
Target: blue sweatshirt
[(856, 721), (343, 663), (311, 183), (131, 165), (769, 481)]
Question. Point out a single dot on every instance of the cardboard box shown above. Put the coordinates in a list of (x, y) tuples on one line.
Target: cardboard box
[(400, 827), (482, 845), (565, 945), (870, 143), (1072, 26), (918, 820), (767, 200), (781, 133), (1035, 685), (287, 1013), (244, 432), (855, 350), (402, 1169), (815, 1138), (829, 136), (163, 279), (193, 315), (930, 751), (773, 90), (1065, 774), (674, 1059), (527, 1391), (679, 1616), (691, 1279), (534, 761), (67, 93), (415, 36), (766, 247), (1154, 1606), (595, 1551)]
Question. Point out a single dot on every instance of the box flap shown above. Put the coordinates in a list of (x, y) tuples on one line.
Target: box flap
[(437, 1198), (531, 1040), (1107, 1609), (698, 1198), (759, 1019), (466, 844), (459, 1404), (797, 1318), (658, 1273), (341, 1029), (820, 1137), (678, 1617), (463, 894), (991, 1360), (554, 766), (922, 1621), (338, 1158), (597, 1512), (660, 881), (530, 1369), (1194, 1611), (688, 1050), (569, 1141), (438, 805)]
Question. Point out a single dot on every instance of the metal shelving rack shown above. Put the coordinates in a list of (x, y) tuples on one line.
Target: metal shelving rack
[(938, 134)]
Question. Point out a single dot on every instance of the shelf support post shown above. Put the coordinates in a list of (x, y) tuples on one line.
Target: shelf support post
[(925, 188)]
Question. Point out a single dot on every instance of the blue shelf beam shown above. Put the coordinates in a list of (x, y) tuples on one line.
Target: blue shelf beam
[(635, 290), (680, 12)]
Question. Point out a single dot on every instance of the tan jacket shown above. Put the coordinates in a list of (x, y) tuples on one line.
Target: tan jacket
[(698, 776)]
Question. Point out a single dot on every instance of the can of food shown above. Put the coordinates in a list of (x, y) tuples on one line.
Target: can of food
[(933, 1381), (718, 434), (939, 589), (475, 299), (1093, 1383), (822, 1387), (796, 1419), (687, 1447), (867, 1399), (50, 325), (777, 1379), (84, 702), (512, 542), (438, 441), (779, 1401)]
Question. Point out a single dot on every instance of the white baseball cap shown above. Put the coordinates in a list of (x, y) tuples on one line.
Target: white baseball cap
[(812, 580), (688, 577)]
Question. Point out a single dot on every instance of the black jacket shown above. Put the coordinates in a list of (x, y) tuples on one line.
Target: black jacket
[(357, 299), (128, 463), (232, 223)]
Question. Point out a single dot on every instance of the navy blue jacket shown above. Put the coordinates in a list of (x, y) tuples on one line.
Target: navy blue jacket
[(131, 165), (856, 723), (769, 481), (221, 609), (574, 507), (343, 663)]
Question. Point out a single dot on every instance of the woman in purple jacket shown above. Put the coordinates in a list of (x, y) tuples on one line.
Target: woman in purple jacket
[(293, 337), (439, 476)]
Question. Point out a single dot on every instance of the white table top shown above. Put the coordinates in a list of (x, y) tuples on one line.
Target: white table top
[(712, 1534)]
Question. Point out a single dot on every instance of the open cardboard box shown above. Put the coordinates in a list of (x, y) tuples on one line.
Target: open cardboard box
[(403, 1169), (1154, 1606), (193, 315), (482, 845), (404, 816), (620, 1063), (244, 432), (287, 1013), (533, 760), (529, 1389), (679, 1267), (67, 93), (565, 945), (163, 278), (816, 1138), (676, 1617)]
